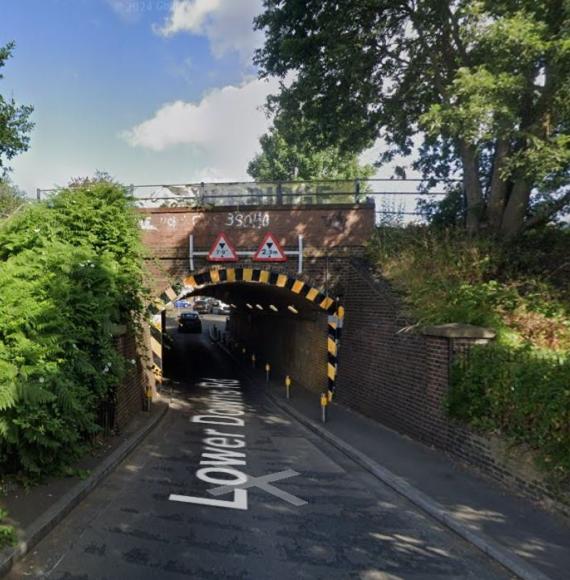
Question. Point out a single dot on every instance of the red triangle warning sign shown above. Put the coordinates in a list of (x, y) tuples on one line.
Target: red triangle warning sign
[(270, 250), (222, 250)]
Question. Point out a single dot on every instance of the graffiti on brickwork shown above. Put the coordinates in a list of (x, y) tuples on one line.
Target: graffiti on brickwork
[(252, 220)]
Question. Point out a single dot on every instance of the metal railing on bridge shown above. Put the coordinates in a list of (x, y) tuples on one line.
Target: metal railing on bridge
[(393, 197)]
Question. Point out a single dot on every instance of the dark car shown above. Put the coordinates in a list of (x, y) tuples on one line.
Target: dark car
[(189, 322)]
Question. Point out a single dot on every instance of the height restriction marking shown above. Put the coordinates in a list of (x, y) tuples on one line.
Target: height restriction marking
[(222, 250), (270, 250)]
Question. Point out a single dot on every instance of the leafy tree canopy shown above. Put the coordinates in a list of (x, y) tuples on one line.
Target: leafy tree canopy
[(15, 124), (484, 85), (286, 155)]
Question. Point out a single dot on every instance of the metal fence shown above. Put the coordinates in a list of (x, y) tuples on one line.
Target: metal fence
[(395, 199), (106, 414)]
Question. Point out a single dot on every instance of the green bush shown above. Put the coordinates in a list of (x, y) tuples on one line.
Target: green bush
[(8, 535), (521, 393), (71, 269)]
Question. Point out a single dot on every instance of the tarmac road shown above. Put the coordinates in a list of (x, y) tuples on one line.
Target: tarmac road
[(311, 512)]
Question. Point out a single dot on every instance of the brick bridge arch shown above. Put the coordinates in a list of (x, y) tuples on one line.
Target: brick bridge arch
[(269, 277), (331, 235)]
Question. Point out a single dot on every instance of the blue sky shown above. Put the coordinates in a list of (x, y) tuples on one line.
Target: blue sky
[(148, 90)]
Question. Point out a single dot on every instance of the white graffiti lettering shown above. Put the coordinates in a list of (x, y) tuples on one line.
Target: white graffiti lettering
[(253, 220)]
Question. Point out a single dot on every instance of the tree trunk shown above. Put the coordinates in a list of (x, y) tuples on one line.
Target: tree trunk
[(499, 187), (515, 211), (472, 187)]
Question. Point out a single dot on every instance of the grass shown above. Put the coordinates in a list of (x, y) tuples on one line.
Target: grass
[(522, 291)]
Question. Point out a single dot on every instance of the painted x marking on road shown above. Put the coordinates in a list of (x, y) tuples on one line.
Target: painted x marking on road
[(264, 482)]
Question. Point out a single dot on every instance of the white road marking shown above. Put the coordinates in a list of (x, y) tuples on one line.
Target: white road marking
[(263, 482)]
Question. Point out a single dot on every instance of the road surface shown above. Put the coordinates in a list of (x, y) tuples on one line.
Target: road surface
[(305, 511)]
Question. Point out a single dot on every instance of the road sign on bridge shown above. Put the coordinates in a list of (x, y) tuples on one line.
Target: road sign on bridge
[(222, 250), (270, 250)]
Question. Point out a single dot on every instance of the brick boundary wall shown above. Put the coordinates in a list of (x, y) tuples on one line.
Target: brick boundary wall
[(131, 392), (398, 376)]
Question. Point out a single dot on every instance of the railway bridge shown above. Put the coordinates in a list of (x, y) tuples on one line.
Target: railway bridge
[(286, 304)]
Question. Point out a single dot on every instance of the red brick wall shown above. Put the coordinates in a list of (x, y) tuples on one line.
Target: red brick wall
[(385, 371), (166, 230), (292, 346), (130, 393), (401, 379), (331, 234)]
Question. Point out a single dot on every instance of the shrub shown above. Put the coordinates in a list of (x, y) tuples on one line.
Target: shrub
[(521, 393), (11, 198), (8, 535), (445, 276), (71, 269)]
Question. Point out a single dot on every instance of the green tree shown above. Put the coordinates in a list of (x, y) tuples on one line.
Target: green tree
[(11, 197), (288, 156), (484, 84), (15, 124)]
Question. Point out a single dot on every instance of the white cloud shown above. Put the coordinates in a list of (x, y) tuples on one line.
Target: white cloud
[(224, 127), (227, 24), (189, 16), (128, 10)]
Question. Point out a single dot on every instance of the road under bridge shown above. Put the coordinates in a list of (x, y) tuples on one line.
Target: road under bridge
[(172, 509)]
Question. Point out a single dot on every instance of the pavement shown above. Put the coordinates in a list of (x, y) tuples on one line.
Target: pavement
[(537, 536), (232, 486)]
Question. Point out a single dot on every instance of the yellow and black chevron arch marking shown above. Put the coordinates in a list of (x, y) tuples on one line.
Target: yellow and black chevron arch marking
[(217, 276), (261, 276)]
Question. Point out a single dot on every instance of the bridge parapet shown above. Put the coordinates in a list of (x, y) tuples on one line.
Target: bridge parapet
[(330, 233)]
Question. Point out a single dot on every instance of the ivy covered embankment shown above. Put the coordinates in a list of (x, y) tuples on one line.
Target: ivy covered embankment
[(70, 269), (518, 386)]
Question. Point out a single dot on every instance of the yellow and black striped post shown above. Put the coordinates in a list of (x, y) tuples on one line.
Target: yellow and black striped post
[(335, 323), (332, 353), (155, 310), (148, 398)]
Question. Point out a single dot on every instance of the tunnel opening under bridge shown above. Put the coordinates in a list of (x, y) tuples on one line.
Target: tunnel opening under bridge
[(274, 319)]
